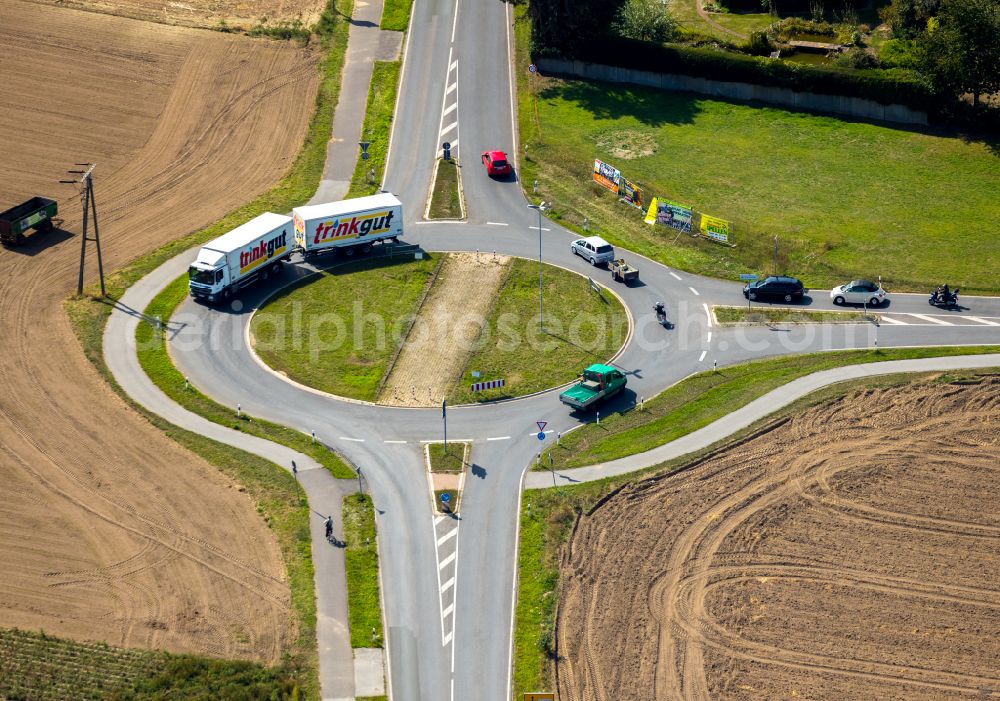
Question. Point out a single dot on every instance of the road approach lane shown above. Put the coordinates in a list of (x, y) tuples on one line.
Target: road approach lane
[(209, 348)]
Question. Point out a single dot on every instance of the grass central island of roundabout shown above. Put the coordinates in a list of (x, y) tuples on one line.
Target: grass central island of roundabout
[(408, 332)]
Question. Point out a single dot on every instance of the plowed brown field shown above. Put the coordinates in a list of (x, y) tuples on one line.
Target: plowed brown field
[(851, 553), (108, 530), (237, 14)]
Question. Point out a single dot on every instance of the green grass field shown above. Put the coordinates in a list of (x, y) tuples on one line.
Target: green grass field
[(446, 196), (700, 399), (765, 315), (396, 15), (581, 327), (338, 332), (377, 127), (846, 199), (451, 460), (361, 558)]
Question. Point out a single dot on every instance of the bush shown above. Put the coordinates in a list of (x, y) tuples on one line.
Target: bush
[(646, 20), (758, 45), (894, 86), (899, 53), (858, 59)]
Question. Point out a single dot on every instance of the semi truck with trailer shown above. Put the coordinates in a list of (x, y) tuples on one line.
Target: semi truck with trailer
[(349, 226), (248, 253)]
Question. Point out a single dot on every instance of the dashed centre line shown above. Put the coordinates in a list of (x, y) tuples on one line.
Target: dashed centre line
[(395, 442), (497, 223), (694, 292), (708, 315), (702, 356), (499, 438), (352, 440), (676, 276)]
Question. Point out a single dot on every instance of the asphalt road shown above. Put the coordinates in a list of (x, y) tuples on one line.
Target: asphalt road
[(448, 583)]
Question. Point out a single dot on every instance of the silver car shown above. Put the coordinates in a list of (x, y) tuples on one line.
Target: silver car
[(859, 292), (595, 249)]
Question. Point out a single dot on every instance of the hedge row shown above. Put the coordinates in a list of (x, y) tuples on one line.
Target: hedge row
[(891, 86)]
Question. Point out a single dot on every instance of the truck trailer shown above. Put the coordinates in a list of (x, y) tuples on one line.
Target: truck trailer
[(350, 226), (248, 253)]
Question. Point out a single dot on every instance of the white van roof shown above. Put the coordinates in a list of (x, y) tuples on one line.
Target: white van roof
[(334, 209), (245, 233)]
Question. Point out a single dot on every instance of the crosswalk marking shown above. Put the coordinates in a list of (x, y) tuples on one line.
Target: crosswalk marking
[(931, 319)]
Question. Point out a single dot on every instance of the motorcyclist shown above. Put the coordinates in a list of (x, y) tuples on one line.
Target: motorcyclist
[(661, 312)]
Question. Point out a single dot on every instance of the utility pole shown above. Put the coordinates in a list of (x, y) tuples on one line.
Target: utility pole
[(89, 207), (540, 207), (774, 270), (444, 417)]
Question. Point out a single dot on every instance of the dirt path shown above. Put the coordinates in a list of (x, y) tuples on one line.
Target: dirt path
[(108, 530), (851, 553), (450, 322)]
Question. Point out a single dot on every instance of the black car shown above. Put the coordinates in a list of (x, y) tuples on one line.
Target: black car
[(787, 289)]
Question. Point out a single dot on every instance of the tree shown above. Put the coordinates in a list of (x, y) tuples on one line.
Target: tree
[(908, 17), (565, 25), (646, 20), (960, 50)]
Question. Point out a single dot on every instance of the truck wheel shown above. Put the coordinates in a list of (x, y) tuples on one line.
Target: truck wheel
[(226, 294), (264, 272), (366, 249), (349, 252)]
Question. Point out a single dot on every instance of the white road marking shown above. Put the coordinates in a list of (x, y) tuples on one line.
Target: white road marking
[(535, 228), (676, 276), (353, 440), (451, 88), (499, 438), (454, 144), (447, 611), (396, 442), (702, 356), (447, 536), (447, 561), (451, 108), (709, 337), (981, 320), (453, 125), (932, 320), (708, 315), (447, 585), (545, 432), (447, 639), (439, 519), (497, 223), (694, 291), (896, 322), (453, 64)]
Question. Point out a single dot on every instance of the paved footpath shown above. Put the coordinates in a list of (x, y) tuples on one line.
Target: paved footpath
[(366, 43), (755, 411)]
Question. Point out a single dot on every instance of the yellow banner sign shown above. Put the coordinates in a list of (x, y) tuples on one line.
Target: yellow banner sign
[(717, 229)]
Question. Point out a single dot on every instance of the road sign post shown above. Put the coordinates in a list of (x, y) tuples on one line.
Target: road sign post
[(748, 278), (444, 417)]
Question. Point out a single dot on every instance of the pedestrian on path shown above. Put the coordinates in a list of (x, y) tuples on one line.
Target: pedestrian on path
[(329, 526)]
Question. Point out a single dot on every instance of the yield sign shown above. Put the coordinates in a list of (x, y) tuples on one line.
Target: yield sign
[(542, 425)]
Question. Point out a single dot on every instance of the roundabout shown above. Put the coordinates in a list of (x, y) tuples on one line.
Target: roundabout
[(407, 331)]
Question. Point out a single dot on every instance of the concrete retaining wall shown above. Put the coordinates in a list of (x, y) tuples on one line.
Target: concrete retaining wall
[(784, 97)]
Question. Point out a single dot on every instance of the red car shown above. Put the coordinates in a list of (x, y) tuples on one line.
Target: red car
[(496, 163)]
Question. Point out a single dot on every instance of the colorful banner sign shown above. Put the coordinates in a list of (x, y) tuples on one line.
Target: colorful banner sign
[(629, 192), (606, 176), (667, 213), (715, 229)]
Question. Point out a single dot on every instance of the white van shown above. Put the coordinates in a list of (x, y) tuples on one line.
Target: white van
[(595, 249)]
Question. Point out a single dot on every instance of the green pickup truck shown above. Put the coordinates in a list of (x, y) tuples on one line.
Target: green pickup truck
[(596, 383)]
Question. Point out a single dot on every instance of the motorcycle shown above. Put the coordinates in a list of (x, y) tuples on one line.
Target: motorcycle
[(943, 298), (661, 315)]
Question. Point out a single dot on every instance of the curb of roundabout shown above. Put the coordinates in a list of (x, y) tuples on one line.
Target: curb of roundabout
[(321, 393)]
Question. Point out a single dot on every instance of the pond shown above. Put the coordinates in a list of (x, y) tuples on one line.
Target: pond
[(807, 57)]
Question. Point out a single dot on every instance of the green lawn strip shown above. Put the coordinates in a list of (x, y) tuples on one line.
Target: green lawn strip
[(338, 331), (377, 127), (581, 327), (361, 558), (846, 199), (700, 399), (396, 15), (156, 363), (446, 200), (763, 315), (452, 460), (547, 517)]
